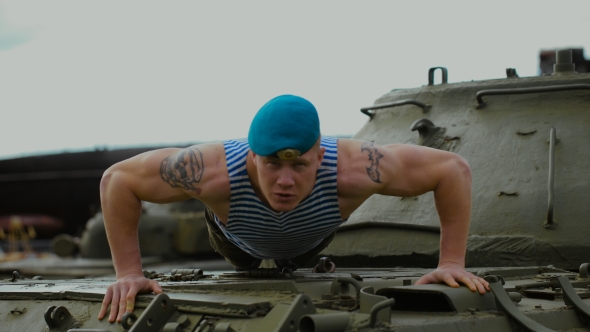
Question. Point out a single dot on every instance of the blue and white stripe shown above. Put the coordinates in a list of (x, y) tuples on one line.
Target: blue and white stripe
[(266, 234)]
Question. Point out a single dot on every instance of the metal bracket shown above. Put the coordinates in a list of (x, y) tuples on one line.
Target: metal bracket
[(156, 315), (513, 91), (340, 282), (365, 110), (128, 320), (368, 300), (571, 298), (57, 317), (504, 303), (378, 308), (445, 75), (511, 73), (325, 265)]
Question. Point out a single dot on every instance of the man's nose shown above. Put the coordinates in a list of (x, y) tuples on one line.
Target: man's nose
[(285, 178)]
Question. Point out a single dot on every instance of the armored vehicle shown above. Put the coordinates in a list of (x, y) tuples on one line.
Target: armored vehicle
[(526, 141)]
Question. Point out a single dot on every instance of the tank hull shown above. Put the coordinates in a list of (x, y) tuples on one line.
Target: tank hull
[(304, 301)]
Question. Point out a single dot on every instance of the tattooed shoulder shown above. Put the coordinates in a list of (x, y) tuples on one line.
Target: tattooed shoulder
[(374, 156), (183, 169)]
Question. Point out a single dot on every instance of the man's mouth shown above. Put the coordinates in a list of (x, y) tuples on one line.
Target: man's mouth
[(284, 196)]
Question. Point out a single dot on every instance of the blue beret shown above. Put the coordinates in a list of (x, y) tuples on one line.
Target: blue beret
[(285, 122)]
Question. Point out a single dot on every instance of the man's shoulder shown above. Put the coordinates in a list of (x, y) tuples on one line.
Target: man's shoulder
[(207, 164), (347, 146), (360, 163), (207, 157), (223, 147)]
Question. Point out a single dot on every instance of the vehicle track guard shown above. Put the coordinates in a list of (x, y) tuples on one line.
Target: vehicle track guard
[(504, 303), (571, 298)]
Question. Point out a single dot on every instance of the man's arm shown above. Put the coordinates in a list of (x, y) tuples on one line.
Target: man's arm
[(449, 177), (160, 176), (409, 170)]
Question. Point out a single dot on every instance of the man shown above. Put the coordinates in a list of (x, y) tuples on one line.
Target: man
[(281, 195)]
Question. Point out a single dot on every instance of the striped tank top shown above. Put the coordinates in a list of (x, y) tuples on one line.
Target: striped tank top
[(266, 234)]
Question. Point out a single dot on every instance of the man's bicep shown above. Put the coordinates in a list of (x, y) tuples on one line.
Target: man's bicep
[(160, 176), (183, 169), (410, 170)]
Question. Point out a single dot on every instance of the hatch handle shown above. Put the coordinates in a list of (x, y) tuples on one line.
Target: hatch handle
[(365, 110), (504, 303), (445, 75), (515, 91), (387, 303), (571, 298), (335, 287), (550, 223), (378, 307), (367, 302)]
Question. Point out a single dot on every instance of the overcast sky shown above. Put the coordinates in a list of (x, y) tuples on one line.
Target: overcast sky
[(80, 75)]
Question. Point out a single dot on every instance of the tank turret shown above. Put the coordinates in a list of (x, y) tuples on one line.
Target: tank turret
[(526, 140)]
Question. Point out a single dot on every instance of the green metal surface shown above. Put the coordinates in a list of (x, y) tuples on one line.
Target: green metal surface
[(281, 304)]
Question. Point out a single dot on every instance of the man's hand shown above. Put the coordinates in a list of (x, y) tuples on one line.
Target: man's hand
[(121, 295), (451, 274)]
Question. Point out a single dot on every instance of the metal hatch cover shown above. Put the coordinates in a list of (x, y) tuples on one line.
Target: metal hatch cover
[(437, 298)]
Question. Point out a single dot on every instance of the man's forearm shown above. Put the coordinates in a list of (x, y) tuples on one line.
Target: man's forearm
[(453, 244), (453, 203), (121, 212)]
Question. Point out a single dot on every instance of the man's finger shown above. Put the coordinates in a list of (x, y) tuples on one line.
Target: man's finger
[(421, 281), (426, 279), (114, 305), (482, 285), (105, 303), (469, 283), (122, 303), (449, 280), (155, 286), (131, 299), (481, 288)]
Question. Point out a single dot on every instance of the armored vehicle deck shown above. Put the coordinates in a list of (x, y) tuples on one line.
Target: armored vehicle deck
[(522, 298)]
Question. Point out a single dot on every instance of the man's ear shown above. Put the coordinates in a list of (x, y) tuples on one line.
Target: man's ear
[(321, 152), (253, 157)]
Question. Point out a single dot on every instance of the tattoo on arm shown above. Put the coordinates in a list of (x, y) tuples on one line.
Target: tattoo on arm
[(183, 169), (374, 156)]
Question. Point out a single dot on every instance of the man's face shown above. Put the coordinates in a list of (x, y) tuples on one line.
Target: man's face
[(285, 183)]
